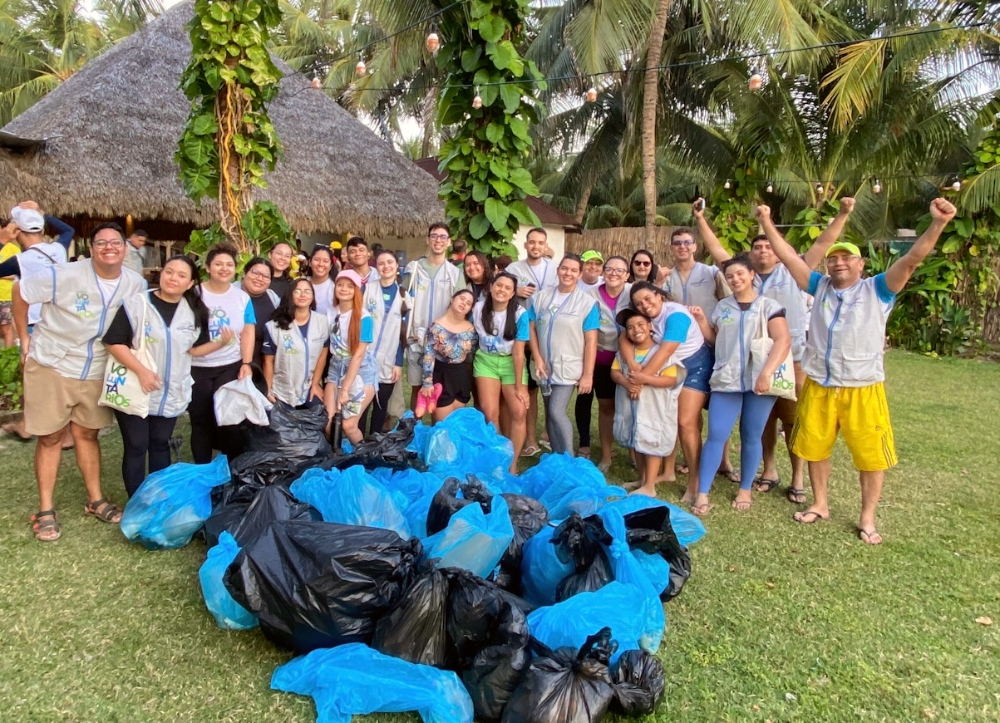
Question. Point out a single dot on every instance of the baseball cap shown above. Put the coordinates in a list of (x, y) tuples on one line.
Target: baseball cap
[(27, 219), (592, 255), (352, 275), (844, 246)]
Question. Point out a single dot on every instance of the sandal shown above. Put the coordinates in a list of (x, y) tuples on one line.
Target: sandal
[(800, 517), (733, 475), (762, 484), (681, 469), (530, 451), (45, 526), (870, 537), (702, 510), (104, 510), (742, 505), (796, 496)]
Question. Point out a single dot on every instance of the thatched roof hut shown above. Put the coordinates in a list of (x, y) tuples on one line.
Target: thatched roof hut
[(101, 145)]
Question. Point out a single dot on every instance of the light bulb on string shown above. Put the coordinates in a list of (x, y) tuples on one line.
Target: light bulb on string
[(477, 102), (591, 94), (727, 185), (820, 188), (360, 69), (876, 187), (756, 82), (316, 82), (957, 185), (433, 42), (770, 187)]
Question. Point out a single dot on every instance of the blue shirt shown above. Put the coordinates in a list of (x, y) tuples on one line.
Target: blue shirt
[(885, 294)]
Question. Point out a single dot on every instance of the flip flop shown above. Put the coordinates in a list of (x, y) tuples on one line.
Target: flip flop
[(702, 510), (742, 505), (762, 484), (530, 451), (796, 497), (800, 517), (870, 538), (733, 475)]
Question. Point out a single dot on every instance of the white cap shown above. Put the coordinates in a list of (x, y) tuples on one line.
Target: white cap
[(27, 219)]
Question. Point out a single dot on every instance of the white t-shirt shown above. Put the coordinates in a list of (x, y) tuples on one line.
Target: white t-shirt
[(581, 284), (232, 309), (35, 259), (323, 293)]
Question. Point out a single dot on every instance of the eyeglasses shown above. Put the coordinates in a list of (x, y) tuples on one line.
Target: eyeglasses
[(303, 291), (615, 271), (262, 275), (113, 243), (642, 263), (439, 236), (684, 242)]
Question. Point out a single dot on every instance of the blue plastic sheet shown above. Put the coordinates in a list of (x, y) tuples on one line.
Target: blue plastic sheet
[(541, 569), (229, 614), (473, 541), (618, 606), (172, 504), (354, 680), (351, 497), (465, 442), (688, 528)]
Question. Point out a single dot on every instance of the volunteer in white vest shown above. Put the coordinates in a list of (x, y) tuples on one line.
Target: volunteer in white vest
[(430, 283), (320, 267), (736, 392), (590, 279), (296, 344), (384, 302), (257, 283), (64, 366), (691, 282), (176, 329), (773, 280), (229, 307), (534, 273), (357, 255), (843, 363), (564, 326)]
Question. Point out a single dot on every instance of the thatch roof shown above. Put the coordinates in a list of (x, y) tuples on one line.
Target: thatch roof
[(102, 145)]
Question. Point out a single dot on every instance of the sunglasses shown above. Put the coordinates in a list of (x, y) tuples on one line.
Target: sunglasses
[(642, 263), (685, 242)]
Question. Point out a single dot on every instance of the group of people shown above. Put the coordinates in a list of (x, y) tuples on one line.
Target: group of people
[(657, 346)]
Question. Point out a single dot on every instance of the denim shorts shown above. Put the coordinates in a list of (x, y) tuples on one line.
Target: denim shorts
[(699, 369)]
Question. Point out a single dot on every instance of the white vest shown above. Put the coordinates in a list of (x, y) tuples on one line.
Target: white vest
[(428, 298), (699, 289), (170, 350), (295, 358), (385, 327), (694, 341), (39, 258), (781, 287), (560, 333), (847, 335), (736, 330), (542, 276), (228, 309), (68, 336), (607, 337), (647, 424)]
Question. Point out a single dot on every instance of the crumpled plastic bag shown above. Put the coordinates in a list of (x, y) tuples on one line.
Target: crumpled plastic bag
[(251, 472), (240, 400), (464, 441), (246, 521), (351, 497), (688, 528), (446, 502), (354, 680), (654, 545), (319, 584), (617, 606), (569, 484), (415, 630), (228, 614), (416, 490), (472, 540), (172, 504), (640, 683), (297, 434), (389, 449), (527, 517), (567, 685), (581, 543), (541, 568)]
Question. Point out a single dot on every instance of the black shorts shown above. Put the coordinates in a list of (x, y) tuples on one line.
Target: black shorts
[(604, 385), (455, 381)]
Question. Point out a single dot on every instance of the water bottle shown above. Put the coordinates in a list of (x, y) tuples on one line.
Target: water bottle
[(545, 386)]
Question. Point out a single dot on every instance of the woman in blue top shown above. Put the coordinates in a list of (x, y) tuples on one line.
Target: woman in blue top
[(504, 327), (564, 325)]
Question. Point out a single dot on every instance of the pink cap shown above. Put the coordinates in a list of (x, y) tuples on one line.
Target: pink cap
[(352, 275)]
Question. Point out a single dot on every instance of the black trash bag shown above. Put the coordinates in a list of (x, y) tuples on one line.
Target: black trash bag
[(297, 434), (640, 683), (565, 686), (271, 504), (416, 628), (385, 449), (488, 637), (446, 501), (527, 516), (250, 473), (650, 531), (319, 584), (581, 542)]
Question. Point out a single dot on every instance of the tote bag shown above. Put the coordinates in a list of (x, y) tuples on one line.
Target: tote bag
[(783, 380), (122, 390)]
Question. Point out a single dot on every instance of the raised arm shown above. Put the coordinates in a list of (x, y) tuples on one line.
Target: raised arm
[(708, 237), (902, 269), (830, 234), (798, 268)]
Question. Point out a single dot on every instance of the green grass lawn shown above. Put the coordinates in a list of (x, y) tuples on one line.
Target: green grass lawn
[(779, 622)]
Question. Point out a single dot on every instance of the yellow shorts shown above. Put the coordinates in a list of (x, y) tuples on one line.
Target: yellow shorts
[(861, 413)]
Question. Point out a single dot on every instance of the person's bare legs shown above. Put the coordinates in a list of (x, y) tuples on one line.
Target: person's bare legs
[(349, 425), (649, 468), (7, 332), (819, 478), (441, 413), (871, 492), (489, 394), (531, 423), (689, 409), (517, 414), (726, 466), (88, 459), (606, 428), (48, 453)]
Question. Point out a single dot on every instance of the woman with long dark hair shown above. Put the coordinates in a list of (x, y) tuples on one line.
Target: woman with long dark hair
[(320, 267), (176, 329), (478, 274), (294, 358), (499, 370), (642, 267), (257, 283), (451, 341), (386, 304)]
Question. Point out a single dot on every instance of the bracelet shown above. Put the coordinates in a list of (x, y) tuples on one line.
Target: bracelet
[(246, 364)]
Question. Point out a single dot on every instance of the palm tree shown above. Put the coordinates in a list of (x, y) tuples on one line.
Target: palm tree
[(650, 93)]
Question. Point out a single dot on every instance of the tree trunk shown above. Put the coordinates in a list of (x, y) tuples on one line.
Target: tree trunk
[(654, 52), (581, 205)]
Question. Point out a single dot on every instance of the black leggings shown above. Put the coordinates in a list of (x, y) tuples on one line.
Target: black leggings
[(206, 434), (584, 404), (141, 437), (378, 411)]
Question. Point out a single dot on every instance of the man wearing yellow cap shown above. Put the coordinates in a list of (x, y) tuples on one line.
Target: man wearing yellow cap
[(843, 363)]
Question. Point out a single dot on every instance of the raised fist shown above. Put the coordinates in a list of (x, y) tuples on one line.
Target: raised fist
[(763, 212), (846, 205), (942, 210)]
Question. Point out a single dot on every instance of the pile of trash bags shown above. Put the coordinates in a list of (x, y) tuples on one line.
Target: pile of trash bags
[(414, 573)]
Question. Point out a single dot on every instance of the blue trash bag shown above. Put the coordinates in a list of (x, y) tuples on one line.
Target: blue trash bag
[(541, 568), (656, 568), (421, 438), (579, 487), (629, 571), (351, 497), (414, 491), (229, 614), (353, 679), (618, 606), (465, 442), (552, 468), (172, 504), (473, 540), (688, 528)]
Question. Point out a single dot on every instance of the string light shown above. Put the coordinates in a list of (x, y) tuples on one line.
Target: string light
[(820, 188), (477, 102), (770, 187), (360, 69), (727, 185), (957, 185), (433, 42), (876, 187), (756, 82), (316, 82), (591, 94)]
